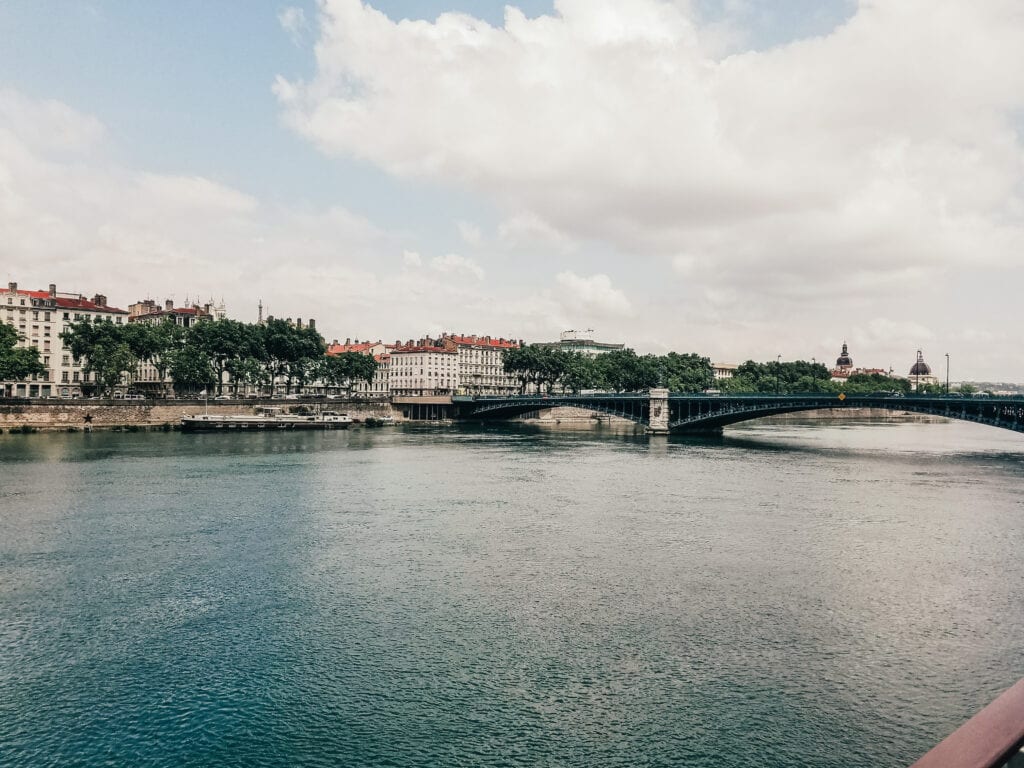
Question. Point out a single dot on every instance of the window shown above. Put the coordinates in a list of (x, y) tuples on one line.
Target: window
[(64, 376)]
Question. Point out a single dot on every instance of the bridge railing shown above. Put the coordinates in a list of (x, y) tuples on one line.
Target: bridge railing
[(991, 739)]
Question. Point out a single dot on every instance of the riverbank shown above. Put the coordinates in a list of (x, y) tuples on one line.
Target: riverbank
[(78, 416)]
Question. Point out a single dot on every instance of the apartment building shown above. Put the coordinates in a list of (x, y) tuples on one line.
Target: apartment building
[(481, 364), (427, 367), (39, 317)]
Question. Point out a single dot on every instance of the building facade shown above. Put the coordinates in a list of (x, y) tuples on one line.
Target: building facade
[(583, 343), (39, 317), (423, 368), (481, 364)]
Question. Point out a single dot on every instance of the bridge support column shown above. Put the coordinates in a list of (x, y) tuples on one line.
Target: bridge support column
[(658, 413)]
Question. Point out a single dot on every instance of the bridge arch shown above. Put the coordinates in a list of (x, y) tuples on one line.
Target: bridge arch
[(702, 413)]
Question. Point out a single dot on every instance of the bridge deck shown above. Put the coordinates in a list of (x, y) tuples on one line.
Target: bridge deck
[(688, 412)]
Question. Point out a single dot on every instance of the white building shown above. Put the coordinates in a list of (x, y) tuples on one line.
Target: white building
[(423, 368), (723, 370), (481, 364), (582, 342), (39, 317)]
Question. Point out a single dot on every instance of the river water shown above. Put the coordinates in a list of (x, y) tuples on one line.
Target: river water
[(796, 594)]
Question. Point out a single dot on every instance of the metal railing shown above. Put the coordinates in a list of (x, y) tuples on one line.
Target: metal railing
[(991, 739)]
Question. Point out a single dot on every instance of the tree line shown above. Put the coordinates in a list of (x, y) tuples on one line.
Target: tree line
[(800, 376), (544, 368), (213, 355)]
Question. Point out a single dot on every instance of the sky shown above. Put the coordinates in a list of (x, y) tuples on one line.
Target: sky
[(738, 178)]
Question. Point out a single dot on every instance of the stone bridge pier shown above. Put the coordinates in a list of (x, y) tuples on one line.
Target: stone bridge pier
[(658, 421)]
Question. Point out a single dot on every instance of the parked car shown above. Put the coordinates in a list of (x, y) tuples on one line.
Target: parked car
[(223, 397)]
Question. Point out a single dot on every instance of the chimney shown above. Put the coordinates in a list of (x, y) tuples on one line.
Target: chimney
[(312, 324), (334, 343), (348, 341), (169, 305), (298, 323), (99, 300), (53, 290), (206, 308), (12, 287)]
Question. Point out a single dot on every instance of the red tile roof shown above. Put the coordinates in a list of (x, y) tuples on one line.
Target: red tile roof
[(74, 302), (421, 348), (483, 341)]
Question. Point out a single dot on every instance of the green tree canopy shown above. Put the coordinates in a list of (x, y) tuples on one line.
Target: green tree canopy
[(17, 363)]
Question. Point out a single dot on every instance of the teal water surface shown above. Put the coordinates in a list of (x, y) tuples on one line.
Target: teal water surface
[(798, 594)]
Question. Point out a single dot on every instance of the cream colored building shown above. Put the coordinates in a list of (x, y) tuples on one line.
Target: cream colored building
[(481, 364), (423, 368), (39, 317)]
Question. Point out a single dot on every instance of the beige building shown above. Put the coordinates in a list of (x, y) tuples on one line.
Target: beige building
[(423, 368), (481, 364), (39, 317)]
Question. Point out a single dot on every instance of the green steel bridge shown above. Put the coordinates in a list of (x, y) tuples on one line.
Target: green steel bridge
[(679, 413)]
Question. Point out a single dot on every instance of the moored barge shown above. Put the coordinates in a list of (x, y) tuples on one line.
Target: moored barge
[(205, 422)]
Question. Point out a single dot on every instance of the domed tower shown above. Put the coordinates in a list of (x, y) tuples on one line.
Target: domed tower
[(844, 361), (921, 372), (920, 368)]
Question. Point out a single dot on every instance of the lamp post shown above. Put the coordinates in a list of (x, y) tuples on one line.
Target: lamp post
[(947, 373), (778, 367), (814, 373)]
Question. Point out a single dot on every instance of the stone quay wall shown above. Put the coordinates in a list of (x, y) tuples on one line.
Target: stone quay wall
[(136, 414)]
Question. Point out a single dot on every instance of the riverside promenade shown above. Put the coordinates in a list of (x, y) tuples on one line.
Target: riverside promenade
[(82, 415)]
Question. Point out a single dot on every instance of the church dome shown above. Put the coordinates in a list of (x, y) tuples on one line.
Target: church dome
[(920, 368), (844, 360)]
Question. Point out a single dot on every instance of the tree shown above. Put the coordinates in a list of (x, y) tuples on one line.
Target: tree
[(290, 351), (223, 342), (345, 369), (105, 349), (190, 369), (686, 373), (579, 372), (17, 363)]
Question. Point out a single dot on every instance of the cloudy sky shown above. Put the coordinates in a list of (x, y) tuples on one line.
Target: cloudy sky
[(739, 178)]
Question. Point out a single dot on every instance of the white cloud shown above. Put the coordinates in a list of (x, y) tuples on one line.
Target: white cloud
[(293, 21), (527, 229), (595, 295), (470, 234), (90, 225), (452, 263), (849, 176)]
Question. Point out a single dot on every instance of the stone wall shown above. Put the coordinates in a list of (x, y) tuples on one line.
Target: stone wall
[(118, 414)]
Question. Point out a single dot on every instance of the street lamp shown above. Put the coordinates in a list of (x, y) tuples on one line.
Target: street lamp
[(778, 367), (947, 373)]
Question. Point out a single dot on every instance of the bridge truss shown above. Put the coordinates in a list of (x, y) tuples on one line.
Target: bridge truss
[(703, 413)]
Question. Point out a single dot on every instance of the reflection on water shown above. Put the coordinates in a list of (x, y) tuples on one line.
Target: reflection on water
[(806, 593)]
